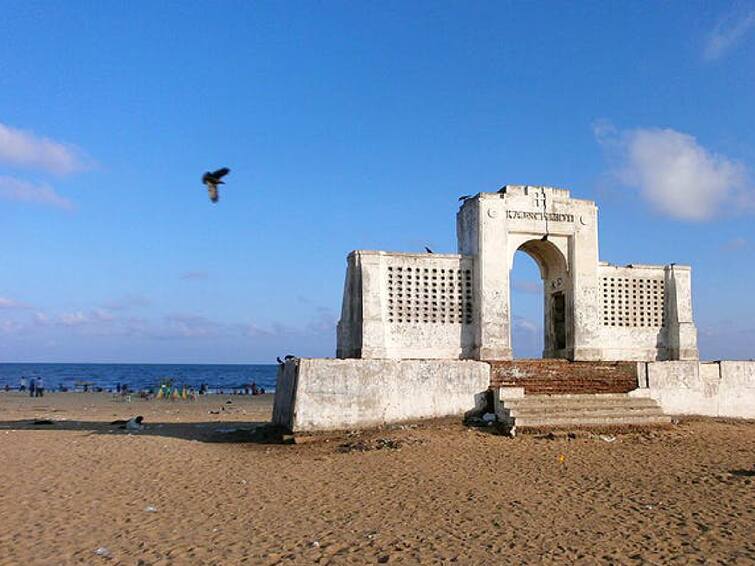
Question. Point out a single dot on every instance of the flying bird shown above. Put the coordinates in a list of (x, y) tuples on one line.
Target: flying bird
[(428, 250), (212, 180)]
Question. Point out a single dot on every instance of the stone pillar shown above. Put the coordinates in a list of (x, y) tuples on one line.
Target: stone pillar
[(585, 285), (481, 231), (361, 330), (373, 324), (682, 333)]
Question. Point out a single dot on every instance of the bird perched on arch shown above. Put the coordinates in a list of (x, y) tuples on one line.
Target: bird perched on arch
[(212, 180)]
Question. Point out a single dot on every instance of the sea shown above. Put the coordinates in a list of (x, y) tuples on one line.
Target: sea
[(219, 378)]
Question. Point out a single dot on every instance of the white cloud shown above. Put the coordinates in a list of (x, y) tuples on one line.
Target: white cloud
[(735, 244), (528, 287), (675, 174), (73, 319), (729, 31), (521, 324), (127, 302), (6, 303), (20, 148), (24, 191)]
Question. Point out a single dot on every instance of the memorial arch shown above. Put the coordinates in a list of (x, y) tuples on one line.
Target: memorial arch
[(441, 306)]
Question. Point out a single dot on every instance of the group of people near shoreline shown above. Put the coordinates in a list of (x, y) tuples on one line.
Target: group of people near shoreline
[(36, 386)]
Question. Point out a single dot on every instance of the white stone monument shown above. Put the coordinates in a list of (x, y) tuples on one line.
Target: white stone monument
[(442, 306), (421, 335)]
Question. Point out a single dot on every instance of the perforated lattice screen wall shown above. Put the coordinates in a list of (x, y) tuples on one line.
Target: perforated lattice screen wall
[(429, 295), (632, 301)]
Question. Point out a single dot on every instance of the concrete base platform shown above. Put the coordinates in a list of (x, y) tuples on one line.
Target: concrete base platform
[(328, 394)]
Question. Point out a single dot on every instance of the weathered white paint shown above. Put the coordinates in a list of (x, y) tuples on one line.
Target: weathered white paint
[(382, 319), (717, 389), (331, 394), (561, 234)]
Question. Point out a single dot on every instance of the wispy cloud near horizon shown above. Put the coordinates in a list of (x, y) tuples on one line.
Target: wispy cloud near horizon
[(24, 191), (20, 148), (8, 303), (676, 175), (728, 32)]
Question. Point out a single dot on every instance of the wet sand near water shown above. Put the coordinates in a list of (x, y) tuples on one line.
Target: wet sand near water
[(196, 486)]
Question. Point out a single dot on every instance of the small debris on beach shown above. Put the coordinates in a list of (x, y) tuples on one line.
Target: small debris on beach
[(104, 552), (607, 438), (366, 446), (150, 509)]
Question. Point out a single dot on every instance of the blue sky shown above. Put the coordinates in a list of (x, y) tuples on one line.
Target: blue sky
[(350, 125)]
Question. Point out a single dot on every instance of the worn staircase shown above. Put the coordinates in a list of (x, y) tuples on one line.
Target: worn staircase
[(558, 394), (603, 410)]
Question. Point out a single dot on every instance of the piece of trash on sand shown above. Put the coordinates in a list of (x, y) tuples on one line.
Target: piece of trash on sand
[(102, 551), (316, 544), (135, 423), (607, 438), (150, 509)]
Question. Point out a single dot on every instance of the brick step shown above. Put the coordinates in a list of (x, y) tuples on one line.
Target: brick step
[(556, 390), (589, 412), (578, 410), (584, 390), (578, 421), (566, 402), (596, 382)]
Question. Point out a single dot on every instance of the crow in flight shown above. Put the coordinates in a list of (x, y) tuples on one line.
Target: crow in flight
[(212, 180)]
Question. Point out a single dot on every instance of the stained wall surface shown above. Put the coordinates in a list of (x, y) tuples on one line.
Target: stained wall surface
[(716, 389), (329, 394)]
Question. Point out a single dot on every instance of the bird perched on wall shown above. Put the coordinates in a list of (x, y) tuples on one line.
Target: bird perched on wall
[(212, 180), (428, 250)]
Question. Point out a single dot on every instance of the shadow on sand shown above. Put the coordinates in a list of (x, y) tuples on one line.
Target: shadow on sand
[(257, 432)]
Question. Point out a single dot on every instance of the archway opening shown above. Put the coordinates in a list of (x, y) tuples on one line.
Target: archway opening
[(527, 336), (540, 300)]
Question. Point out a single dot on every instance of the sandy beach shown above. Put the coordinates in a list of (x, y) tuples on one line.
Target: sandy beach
[(197, 487)]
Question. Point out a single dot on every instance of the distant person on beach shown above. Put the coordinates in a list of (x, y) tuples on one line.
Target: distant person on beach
[(22, 386), (255, 389), (32, 385), (39, 388)]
